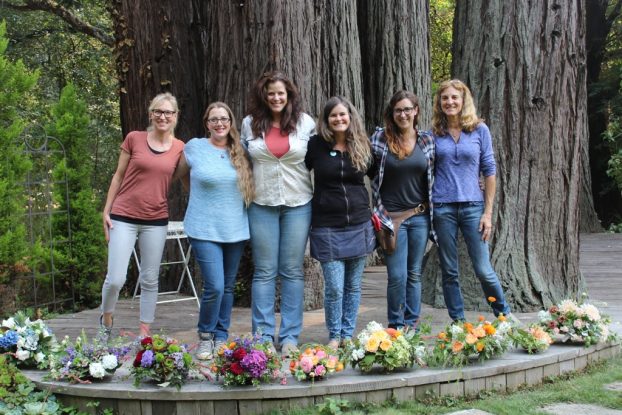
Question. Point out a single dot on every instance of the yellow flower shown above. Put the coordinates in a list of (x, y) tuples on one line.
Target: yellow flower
[(471, 338), (372, 344), (502, 317), (385, 344), (339, 367), (479, 346), (442, 335)]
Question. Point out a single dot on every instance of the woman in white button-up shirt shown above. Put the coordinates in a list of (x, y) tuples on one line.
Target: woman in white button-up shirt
[(276, 134)]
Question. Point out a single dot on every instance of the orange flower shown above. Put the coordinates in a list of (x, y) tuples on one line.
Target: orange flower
[(293, 364), (489, 329), (442, 335), (471, 338), (502, 317), (308, 351), (457, 346), (442, 346), (392, 332), (480, 318), (479, 346), (479, 331), (232, 345), (339, 367), (468, 327), (491, 299)]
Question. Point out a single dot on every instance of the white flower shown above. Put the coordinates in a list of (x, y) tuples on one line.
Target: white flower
[(22, 354), (358, 354), (568, 306), (109, 362), (591, 311), (9, 324), (563, 329), (578, 324), (21, 342), (504, 327), (604, 332), (97, 370), (456, 330), (544, 315), (39, 357), (373, 326)]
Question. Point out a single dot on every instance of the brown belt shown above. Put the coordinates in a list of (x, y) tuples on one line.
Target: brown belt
[(398, 217)]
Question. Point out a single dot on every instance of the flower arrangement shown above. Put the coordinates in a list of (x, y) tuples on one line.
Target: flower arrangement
[(246, 361), (533, 339), (576, 321), (315, 362), (162, 359), (83, 361), (29, 343), (462, 341), (389, 348)]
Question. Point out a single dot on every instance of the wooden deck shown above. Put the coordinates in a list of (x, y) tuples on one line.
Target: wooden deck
[(601, 265)]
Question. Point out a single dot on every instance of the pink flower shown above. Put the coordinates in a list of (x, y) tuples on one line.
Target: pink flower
[(306, 363), (321, 354), (320, 370)]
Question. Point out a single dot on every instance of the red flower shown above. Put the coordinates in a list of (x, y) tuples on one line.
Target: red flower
[(139, 356), (146, 341), (239, 354), (236, 369)]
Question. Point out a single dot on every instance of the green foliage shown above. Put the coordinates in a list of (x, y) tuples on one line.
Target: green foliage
[(15, 84), (441, 32), (85, 258), (333, 406)]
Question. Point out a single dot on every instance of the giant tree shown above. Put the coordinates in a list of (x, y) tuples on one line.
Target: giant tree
[(527, 72)]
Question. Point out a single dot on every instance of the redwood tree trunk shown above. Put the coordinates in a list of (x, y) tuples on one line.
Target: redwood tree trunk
[(527, 73), (395, 55)]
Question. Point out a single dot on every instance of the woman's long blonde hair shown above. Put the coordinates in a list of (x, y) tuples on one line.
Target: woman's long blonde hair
[(468, 116), (357, 142), (395, 140), (237, 154)]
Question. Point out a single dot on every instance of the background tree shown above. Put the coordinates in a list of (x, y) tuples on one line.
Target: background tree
[(16, 82), (527, 72)]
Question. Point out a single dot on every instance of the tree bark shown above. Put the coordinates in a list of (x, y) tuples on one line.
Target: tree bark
[(394, 55), (527, 72)]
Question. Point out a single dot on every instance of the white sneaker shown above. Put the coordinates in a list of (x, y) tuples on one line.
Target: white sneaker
[(287, 349)]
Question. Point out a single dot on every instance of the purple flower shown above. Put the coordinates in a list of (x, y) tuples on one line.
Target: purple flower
[(255, 362), (179, 360), (147, 359)]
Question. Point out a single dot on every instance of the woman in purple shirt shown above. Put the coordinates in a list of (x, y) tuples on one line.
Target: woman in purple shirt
[(463, 152)]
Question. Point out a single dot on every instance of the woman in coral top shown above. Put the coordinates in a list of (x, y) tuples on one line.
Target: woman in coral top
[(137, 206)]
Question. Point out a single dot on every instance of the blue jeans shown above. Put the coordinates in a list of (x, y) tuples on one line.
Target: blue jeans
[(448, 218), (278, 238), (404, 270), (219, 266), (342, 295)]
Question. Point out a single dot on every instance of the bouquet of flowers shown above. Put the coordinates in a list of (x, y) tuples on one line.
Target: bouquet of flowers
[(390, 348), (576, 321), (247, 360), (163, 360), (534, 339), (82, 362), (314, 363), (462, 341), (29, 343)]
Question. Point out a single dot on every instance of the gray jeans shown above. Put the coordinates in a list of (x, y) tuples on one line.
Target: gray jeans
[(151, 241)]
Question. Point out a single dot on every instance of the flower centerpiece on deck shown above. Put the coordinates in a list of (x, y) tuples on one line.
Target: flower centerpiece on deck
[(389, 348), (28, 343), (577, 322), (163, 360), (246, 361), (315, 362), (83, 362), (462, 341), (533, 339)]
